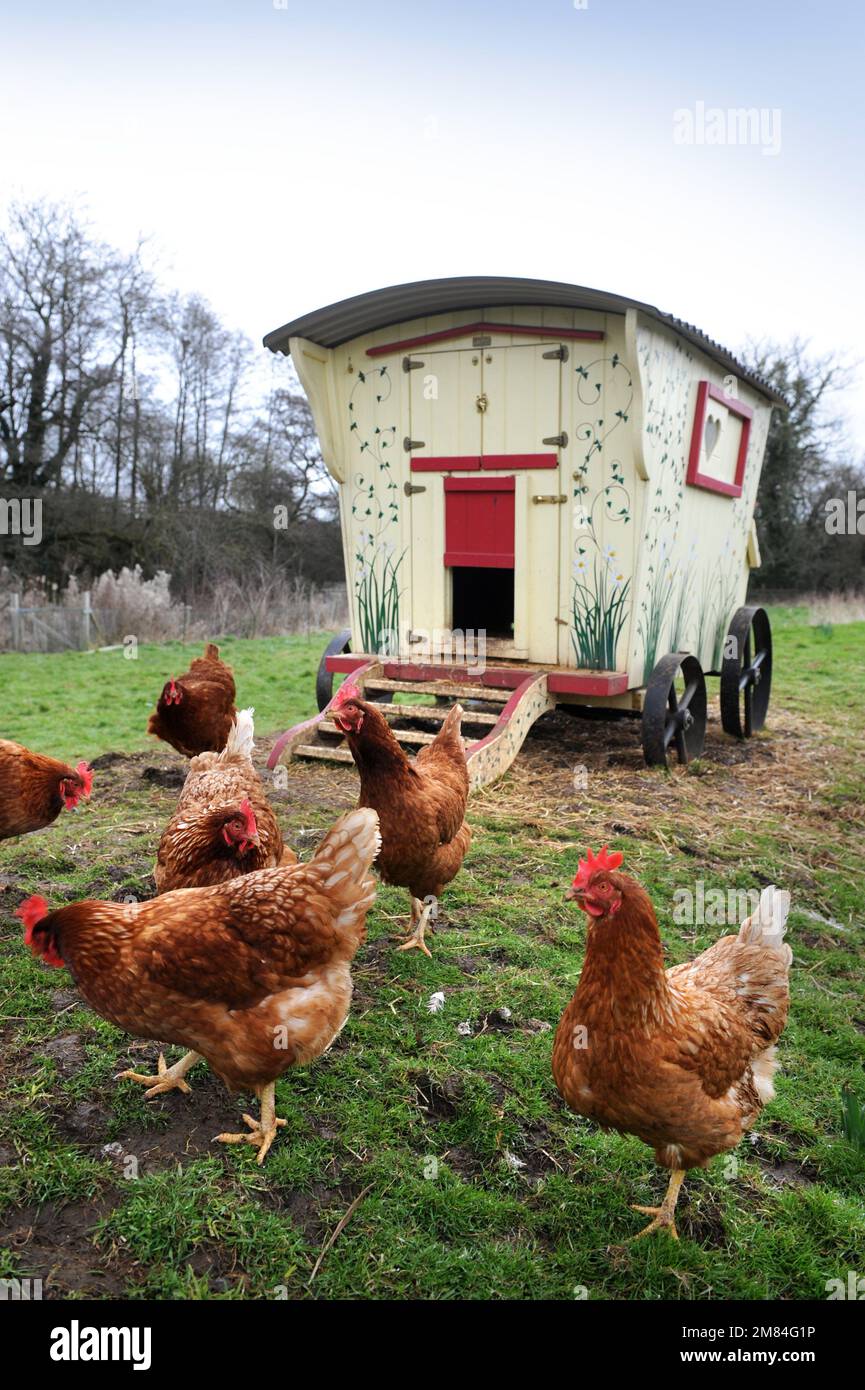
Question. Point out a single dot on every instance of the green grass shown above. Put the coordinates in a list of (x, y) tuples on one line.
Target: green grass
[(427, 1119)]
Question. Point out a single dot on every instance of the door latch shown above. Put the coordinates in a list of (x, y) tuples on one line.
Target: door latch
[(556, 498), (482, 402)]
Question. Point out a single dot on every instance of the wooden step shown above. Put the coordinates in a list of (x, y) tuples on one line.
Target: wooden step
[(327, 754), (493, 694), (403, 735), (439, 712)]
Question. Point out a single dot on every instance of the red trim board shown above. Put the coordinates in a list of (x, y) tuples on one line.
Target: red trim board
[(465, 330), (466, 463), (504, 677)]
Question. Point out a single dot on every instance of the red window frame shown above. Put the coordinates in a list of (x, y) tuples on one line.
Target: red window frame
[(706, 391)]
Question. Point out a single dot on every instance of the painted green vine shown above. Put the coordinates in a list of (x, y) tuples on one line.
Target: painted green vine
[(375, 511), (600, 593)]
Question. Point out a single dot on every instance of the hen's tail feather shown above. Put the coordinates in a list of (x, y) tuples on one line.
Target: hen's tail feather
[(240, 738), (211, 652), (451, 729), (768, 924)]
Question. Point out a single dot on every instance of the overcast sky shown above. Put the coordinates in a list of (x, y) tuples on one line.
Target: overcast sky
[(283, 158)]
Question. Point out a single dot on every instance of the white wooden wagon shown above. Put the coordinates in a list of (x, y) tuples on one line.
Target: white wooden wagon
[(546, 498)]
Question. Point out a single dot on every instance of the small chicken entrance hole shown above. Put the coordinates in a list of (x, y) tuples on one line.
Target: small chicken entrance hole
[(483, 600)]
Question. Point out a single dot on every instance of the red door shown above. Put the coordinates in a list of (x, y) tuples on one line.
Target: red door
[(479, 523)]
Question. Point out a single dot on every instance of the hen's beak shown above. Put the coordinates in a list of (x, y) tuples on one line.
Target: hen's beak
[(573, 895)]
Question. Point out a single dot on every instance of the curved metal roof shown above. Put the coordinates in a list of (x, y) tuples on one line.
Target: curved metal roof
[(351, 318)]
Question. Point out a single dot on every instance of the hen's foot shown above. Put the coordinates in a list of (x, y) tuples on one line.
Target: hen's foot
[(167, 1078), (663, 1222), (665, 1212), (263, 1131), (417, 937)]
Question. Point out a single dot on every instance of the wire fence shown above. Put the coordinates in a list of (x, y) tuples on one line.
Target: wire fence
[(27, 626)]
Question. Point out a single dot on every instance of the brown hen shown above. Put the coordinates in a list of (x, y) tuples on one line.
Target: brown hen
[(682, 1058), (195, 712), (35, 789), (421, 803), (224, 825), (253, 975)]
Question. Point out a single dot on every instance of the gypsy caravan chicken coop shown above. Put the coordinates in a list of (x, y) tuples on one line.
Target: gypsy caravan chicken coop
[(547, 499)]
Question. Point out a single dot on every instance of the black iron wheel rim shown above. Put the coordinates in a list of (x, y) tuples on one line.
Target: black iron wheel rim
[(324, 679), (746, 673), (674, 722)]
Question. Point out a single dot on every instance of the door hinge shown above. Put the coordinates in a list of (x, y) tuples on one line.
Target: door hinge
[(558, 441), (562, 622), (414, 637), (553, 497), (409, 444), (559, 354), (411, 364), (481, 341), (411, 488)]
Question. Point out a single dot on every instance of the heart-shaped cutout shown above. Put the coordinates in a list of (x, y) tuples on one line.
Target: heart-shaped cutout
[(711, 434)]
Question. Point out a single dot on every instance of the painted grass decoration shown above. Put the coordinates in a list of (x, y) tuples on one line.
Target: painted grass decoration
[(651, 621), (598, 616), (378, 600)]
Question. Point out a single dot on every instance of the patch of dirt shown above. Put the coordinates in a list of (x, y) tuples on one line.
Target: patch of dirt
[(700, 1221), (54, 1243), (184, 1125), (62, 999), (788, 1174), (66, 1052), (438, 1100), (536, 1152), (106, 760), (173, 777), (464, 1161)]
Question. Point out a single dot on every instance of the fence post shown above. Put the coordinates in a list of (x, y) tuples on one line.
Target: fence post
[(85, 621), (185, 620), (15, 621)]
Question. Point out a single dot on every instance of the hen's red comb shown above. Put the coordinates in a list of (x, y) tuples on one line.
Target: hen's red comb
[(249, 817), (86, 775), (346, 691), (595, 864), (31, 912)]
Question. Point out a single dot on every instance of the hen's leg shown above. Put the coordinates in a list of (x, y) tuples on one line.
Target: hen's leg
[(664, 1213), (263, 1131), (420, 916), (167, 1079)]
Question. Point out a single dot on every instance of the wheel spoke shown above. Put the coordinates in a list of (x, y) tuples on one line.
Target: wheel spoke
[(749, 695), (681, 746), (687, 695)]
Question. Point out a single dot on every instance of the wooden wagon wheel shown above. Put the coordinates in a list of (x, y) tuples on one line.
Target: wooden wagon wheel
[(324, 680), (746, 672), (673, 719)]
